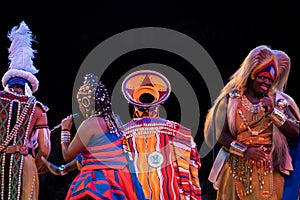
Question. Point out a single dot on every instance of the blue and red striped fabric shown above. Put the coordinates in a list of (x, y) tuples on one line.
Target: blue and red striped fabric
[(104, 173)]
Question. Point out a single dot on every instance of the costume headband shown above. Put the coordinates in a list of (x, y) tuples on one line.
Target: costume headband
[(268, 69)]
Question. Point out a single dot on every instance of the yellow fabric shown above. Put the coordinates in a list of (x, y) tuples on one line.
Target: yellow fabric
[(142, 166), (147, 175), (30, 182)]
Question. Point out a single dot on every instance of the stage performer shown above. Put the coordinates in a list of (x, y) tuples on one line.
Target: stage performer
[(24, 132), (164, 152), (252, 119), (96, 149)]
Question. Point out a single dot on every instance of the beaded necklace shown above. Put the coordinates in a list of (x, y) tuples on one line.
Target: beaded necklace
[(248, 127), (150, 126), (254, 108)]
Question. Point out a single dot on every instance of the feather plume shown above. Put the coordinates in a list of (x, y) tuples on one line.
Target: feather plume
[(20, 50), (20, 57)]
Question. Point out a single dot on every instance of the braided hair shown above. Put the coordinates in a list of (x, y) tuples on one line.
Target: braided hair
[(103, 108), (102, 100), (95, 100)]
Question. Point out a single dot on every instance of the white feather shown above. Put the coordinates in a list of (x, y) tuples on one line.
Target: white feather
[(20, 50)]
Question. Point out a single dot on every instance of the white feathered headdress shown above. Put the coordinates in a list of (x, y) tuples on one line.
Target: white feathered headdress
[(20, 57)]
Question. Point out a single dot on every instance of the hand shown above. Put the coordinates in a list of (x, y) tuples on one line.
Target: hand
[(267, 102), (53, 168), (257, 154), (67, 122)]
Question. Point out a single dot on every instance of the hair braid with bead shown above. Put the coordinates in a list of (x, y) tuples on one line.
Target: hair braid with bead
[(103, 108)]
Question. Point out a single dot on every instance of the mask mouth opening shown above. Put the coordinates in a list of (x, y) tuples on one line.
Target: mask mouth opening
[(146, 98)]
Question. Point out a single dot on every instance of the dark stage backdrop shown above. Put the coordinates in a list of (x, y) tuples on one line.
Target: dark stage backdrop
[(67, 33)]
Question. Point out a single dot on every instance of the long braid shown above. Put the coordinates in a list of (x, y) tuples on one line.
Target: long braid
[(103, 109)]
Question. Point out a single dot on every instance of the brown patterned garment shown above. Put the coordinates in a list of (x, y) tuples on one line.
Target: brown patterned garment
[(250, 179)]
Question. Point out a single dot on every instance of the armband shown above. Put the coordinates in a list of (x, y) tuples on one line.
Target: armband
[(277, 117), (237, 148)]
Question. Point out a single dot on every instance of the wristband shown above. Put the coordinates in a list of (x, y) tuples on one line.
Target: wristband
[(277, 117), (65, 136), (62, 170), (237, 148)]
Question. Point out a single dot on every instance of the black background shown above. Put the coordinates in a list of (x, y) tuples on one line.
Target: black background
[(67, 32)]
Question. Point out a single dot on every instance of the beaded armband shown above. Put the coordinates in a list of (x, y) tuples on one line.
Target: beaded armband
[(65, 137), (237, 148), (277, 117)]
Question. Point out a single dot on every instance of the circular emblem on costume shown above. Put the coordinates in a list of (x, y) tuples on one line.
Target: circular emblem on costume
[(281, 103), (155, 159)]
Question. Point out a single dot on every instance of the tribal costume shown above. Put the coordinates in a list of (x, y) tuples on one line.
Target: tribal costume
[(254, 158), (19, 174), (165, 158), (249, 179), (104, 166), (24, 132), (164, 153)]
